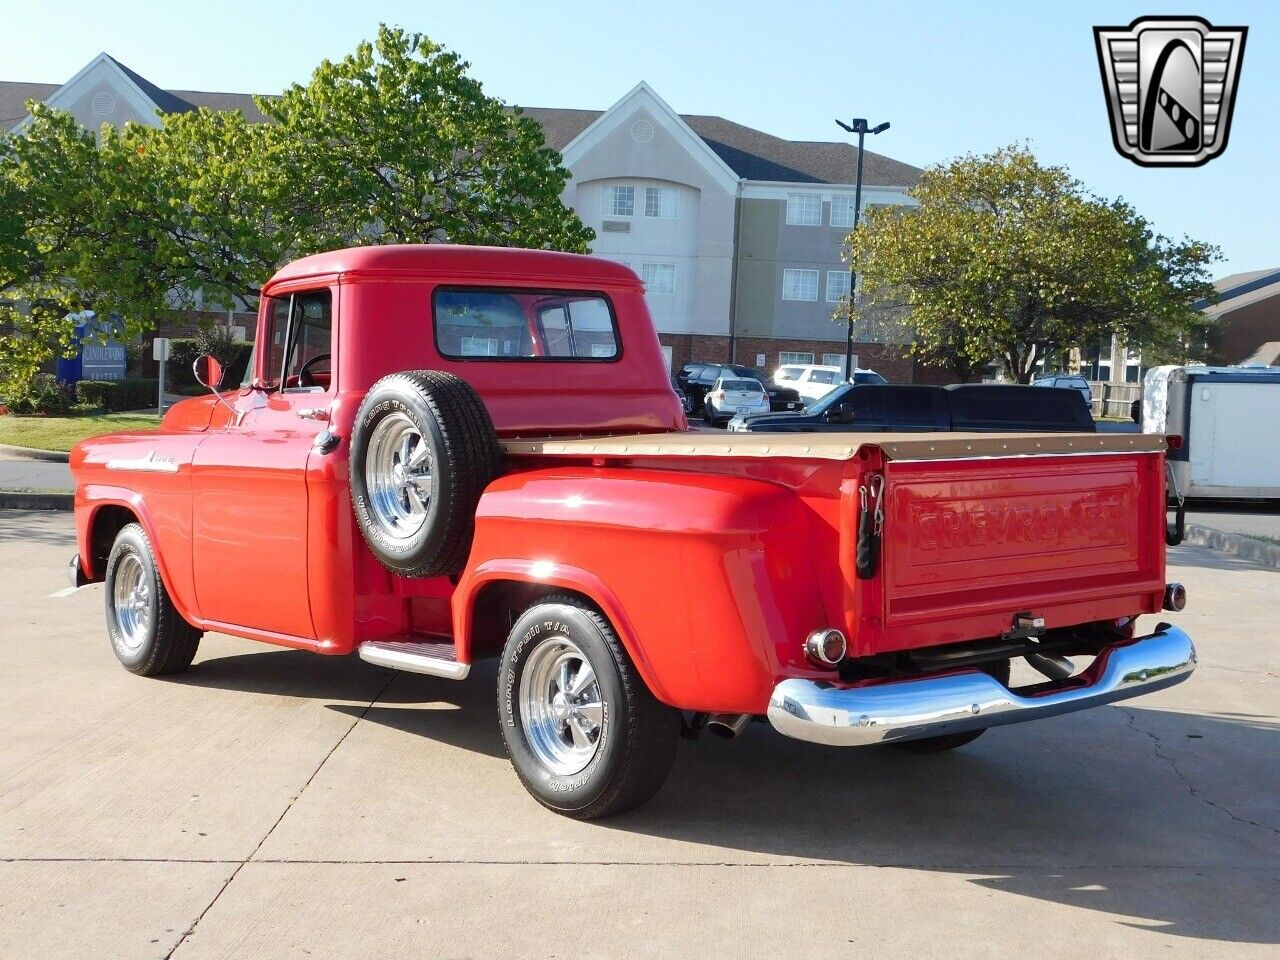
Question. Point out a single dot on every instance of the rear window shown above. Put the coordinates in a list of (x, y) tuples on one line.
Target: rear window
[(752, 386), (519, 324)]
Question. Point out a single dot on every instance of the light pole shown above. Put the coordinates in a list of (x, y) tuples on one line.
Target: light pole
[(861, 128)]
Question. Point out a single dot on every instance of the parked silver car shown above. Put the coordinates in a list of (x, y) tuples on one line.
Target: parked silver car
[(730, 397)]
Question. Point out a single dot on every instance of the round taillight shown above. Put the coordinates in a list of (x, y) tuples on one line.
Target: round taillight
[(1175, 597), (826, 647)]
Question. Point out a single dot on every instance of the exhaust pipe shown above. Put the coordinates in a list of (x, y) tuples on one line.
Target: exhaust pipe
[(1055, 668), (727, 726)]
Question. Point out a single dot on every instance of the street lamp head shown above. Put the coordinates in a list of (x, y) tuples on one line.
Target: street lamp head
[(881, 128), (859, 125)]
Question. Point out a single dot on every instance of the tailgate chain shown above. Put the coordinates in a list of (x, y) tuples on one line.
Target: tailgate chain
[(870, 525)]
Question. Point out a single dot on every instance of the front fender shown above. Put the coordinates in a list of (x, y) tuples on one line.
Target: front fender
[(150, 476)]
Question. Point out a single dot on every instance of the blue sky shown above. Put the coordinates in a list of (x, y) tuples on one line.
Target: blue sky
[(952, 77)]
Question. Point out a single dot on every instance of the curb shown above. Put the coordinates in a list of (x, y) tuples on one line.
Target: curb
[(31, 453), (1246, 548), (20, 500)]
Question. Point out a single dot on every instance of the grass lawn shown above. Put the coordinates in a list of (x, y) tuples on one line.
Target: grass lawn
[(62, 433)]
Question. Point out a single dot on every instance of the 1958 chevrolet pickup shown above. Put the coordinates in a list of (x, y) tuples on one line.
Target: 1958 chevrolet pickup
[(441, 454)]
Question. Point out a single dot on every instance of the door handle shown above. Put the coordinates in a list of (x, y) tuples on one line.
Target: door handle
[(314, 413)]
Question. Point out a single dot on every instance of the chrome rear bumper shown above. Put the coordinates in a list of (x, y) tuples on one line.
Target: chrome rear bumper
[(929, 706)]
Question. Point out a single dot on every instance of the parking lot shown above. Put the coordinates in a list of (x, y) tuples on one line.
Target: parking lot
[(274, 801)]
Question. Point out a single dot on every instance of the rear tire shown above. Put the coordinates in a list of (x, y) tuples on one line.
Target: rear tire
[(148, 635), (950, 741), (585, 735)]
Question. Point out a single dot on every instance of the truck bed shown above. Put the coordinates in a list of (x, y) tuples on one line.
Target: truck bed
[(842, 446), (978, 527)]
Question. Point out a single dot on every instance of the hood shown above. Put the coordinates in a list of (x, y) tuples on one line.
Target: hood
[(778, 422)]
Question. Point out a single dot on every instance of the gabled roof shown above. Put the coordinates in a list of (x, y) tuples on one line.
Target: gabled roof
[(15, 94), (163, 99), (1242, 289), (751, 154)]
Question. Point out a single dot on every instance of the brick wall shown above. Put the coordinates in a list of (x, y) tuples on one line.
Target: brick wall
[(888, 361)]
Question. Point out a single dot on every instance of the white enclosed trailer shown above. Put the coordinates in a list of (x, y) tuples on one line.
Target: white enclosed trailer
[(1229, 421)]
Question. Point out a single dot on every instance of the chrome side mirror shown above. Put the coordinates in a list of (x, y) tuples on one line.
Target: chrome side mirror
[(208, 373)]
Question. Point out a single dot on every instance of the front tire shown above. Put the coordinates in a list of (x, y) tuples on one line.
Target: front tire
[(585, 735), (148, 635)]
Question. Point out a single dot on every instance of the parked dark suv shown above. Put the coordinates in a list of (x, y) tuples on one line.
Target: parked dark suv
[(972, 407), (695, 379)]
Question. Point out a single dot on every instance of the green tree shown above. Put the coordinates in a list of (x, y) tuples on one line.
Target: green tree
[(1003, 257), (48, 227), (396, 143)]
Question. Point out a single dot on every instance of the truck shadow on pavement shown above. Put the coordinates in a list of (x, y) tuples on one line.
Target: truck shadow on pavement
[(1168, 821), (37, 526)]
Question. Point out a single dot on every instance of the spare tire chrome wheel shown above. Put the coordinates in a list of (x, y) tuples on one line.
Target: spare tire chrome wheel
[(423, 448), (397, 471)]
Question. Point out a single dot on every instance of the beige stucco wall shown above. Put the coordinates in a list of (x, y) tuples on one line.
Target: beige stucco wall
[(699, 242)]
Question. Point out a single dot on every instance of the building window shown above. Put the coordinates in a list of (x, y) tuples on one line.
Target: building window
[(837, 285), (804, 209), (799, 284), (787, 357), (619, 201), (833, 360), (658, 277), (842, 210), (661, 202)]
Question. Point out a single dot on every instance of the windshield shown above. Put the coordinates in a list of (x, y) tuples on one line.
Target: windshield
[(832, 399), (868, 377)]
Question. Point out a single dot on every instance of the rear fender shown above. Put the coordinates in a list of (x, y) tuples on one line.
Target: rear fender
[(549, 577), (708, 580)]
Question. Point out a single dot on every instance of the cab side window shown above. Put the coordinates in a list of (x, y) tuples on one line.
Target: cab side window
[(299, 341)]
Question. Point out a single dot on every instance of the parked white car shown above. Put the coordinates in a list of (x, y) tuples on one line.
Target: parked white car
[(1067, 381), (734, 397), (814, 382)]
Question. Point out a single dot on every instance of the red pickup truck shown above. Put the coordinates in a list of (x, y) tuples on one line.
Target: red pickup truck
[(442, 454)]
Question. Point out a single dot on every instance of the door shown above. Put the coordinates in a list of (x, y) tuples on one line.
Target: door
[(249, 482)]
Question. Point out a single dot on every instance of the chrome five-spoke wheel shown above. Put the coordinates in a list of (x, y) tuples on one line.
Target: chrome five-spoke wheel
[(560, 706), (398, 476), (131, 598)]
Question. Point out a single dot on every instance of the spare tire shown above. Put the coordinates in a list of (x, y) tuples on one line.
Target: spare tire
[(423, 448)]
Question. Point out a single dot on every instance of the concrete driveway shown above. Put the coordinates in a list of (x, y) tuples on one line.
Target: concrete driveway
[(272, 803)]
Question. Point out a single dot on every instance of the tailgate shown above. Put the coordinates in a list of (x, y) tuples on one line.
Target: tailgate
[(968, 543)]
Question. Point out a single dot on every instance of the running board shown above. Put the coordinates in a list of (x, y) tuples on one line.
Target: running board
[(435, 659)]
